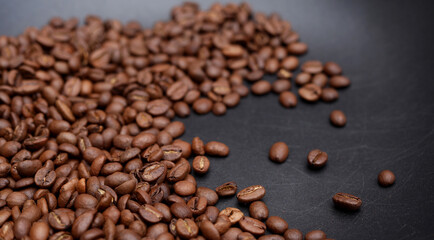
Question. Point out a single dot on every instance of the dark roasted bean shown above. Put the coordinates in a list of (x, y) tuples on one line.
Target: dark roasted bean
[(317, 158), (347, 201), (386, 178)]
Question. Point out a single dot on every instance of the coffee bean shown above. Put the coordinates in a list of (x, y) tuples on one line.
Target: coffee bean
[(39, 231), (279, 152), (281, 85), (293, 234), (310, 92), (219, 109), (232, 99), (386, 178), (276, 224), (245, 236), (347, 201), (252, 226), (303, 78), (317, 158), (258, 210), (226, 189), (202, 106), (338, 118), (312, 67), (215, 148), (250, 194), (200, 164), (231, 234), (315, 235), (234, 214), (150, 214), (210, 195), (332, 68), (329, 94), (45, 177), (297, 48), (186, 228), (171, 152), (288, 99), (181, 109), (181, 210), (197, 205), (261, 87), (320, 79), (197, 146), (184, 188), (339, 82)]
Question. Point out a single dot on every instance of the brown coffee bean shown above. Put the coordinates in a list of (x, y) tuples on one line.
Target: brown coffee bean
[(181, 109), (258, 210), (312, 67), (232, 50), (261, 87), (338, 118), (209, 230), (293, 234), (315, 235), (157, 107), (150, 214), (332, 68), (310, 92), (276, 224), (250, 194), (290, 63), (320, 79), (347, 201), (252, 226), (219, 109), (215, 148), (210, 195), (197, 146), (175, 129), (171, 152), (339, 82), (245, 236), (202, 106), (281, 85), (184, 188), (234, 214), (231, 234), (317, 158), (45, 177), (226, 189), (200, 164), (197, 205), (186, 228), (144, 120), (279, 152), (288, 99), (82, 223), (39, 231), (297, 48), (329, 95), (185, 146), (16, 199), (303, 78), (271, 65), (21, 227), (386, 178)]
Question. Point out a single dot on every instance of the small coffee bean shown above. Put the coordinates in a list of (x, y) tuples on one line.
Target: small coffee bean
[(184, 188), (315, 235), (219, 109), (339, 82), (231, 234), (347, 201), (210, 195), (338, 118), (186, 228), (329, 95), (215, 148), (245, 236), (288, 99), (317, 158), (200, 164), (297, 48), (39, 231), (234, 214), (303, 78), (258, 210), (293, 234), (226, 189), (310, 92), (171, 152), (279, 152), (320, 79), (252, 226), (181, 210), (181, 109), (312, 67), (250, 194), (150, 214), (281, 85), (271, 65), (290, 63), (261, 87), (202, 105), (386, 178), (197, 205), (208, 230), (197, 146), (332, 68), (276, 224)]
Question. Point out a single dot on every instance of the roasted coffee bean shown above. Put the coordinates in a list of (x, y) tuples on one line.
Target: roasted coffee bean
[(317, 158), (332, 68), (329, 95), (288, 99), (209, 230), (181, 109), (197, 146), (250, 194), (184, 188), (200, 164), (312, 67), (303, 78), (320, 79), (185, 146), (219, 109), (245, 236), (231, 234), (276, 224), (210, 195), (226, 189), (252, 226), (202, 106), (281, 85), (171, 152), (297, 48), (339, 82), (215, 148), (261, 87), (234, 214), (347, 201), (197, 205), (293, 234), (45, 177), (315, 235), (279, 152), (338, 118), (258, 210), (386, 178), (150, 214), (310, 92)]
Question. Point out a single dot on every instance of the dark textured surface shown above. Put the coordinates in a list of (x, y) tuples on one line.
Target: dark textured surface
[(387, 51)]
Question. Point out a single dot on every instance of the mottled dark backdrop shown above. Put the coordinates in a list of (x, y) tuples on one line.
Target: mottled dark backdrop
[(386, 48)]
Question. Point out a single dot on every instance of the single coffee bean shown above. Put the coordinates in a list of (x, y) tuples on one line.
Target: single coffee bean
[(329, 95), (231, 234), (181, 210), (288, 99), (279, 152), (338, 118), (310, 92), (312, 67), (303, 78), (320, 79), (386, 178), (184, 188), (261, 87), (293, 234), (197, 205), (252, 226), (297, 48), (200, 164), (332, 68), (234, 214), (315, 235), (186, 228), (347, 201), (219, 109), (150, 214), (226, 189), (202, 105), (276, 225), (208, 230), (171, 152), (339, 82), (250, 194), (317, 158), (215, 148), (258, 210), (281, 85), (210, 195), (197, 146), (245, 236)]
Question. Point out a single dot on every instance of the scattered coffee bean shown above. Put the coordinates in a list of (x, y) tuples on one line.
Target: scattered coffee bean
[(279, 152), (315, 235), (288, 99), (258, 210), (200, 164), (261, 87), (250, 194), (338, 118), (386, 178), (347, 201), (293, 234), (276, 224), (317, 158), (215, 148), (226, 189), (310, 92)]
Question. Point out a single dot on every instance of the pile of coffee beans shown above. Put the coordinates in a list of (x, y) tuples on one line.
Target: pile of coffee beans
[(89, 148)]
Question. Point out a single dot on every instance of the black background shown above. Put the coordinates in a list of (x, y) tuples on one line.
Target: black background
[(385, 48)]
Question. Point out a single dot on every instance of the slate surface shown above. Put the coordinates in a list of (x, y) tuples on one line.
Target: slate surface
[(386, 48)]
